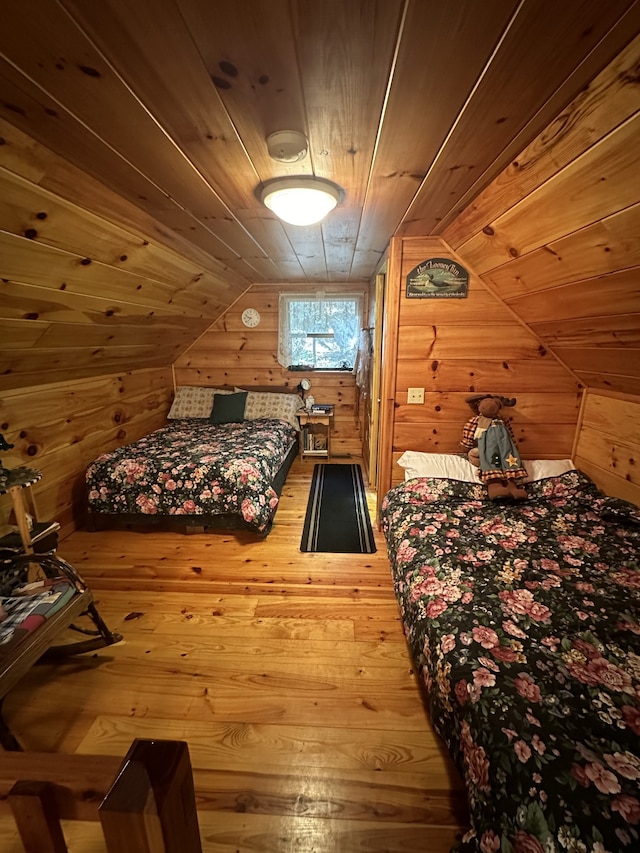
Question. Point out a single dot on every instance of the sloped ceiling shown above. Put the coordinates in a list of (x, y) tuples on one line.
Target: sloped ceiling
[(557, 235), (412, 106)]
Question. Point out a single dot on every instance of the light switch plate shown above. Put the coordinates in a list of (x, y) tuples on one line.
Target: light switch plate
[(415, 395)]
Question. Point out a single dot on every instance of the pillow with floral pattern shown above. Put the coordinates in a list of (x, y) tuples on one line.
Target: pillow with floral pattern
[(266, 404), (192, 401)]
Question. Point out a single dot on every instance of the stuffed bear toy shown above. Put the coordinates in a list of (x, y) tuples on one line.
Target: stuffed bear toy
[(491, 447)]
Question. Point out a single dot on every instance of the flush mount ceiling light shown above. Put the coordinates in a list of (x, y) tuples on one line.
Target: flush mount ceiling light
[(300, 200)]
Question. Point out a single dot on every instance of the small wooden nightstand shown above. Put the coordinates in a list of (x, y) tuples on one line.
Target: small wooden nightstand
[(315, 433)]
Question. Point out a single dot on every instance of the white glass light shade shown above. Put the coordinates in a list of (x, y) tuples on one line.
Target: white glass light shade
[(300, 200)]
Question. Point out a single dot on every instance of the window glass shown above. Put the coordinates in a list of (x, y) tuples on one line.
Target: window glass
[(319, 331)]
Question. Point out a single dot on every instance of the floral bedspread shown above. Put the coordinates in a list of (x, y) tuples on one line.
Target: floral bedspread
[(524, 621), (191, 467)]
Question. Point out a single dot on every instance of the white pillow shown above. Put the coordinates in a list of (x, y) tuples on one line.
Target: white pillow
[(446, 465), (453, 467), (539, 469), (192, 401)]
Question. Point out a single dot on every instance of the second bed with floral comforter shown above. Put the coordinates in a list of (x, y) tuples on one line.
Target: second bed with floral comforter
[(524, 620), (197, 470)]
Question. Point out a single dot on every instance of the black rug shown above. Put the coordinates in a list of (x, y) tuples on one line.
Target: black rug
[(337, 519)]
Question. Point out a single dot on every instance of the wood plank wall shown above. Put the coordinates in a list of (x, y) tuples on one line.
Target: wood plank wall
[(453, 348), (557, 235), (59, 428), (89, 284), (608, 444), (230, 354)]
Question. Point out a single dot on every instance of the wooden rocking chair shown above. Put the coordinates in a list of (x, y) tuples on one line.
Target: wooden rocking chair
[(33, 637)]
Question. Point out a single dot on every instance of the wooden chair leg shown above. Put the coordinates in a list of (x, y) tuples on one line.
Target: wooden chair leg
[(8, 741), (36, 818), (151, 806), (101, 637)]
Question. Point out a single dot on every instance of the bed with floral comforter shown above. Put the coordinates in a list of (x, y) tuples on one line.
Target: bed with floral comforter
[(524, 621), (192, 471)]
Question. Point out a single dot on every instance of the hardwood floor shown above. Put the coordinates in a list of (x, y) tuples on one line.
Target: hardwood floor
[(287, 674)]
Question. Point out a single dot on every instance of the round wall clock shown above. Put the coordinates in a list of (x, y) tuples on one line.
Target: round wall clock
[(250, 317)]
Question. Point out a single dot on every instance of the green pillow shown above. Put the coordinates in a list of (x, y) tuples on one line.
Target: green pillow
[(228, 408)]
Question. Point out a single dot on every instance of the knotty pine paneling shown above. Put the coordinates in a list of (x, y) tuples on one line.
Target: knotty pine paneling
[(612, 295), (402, 154), (65, 181), (59, 428), (591, 331), (556, 235), (613, 384), (579, 256), (28, 208), (230, 354), (169, 103), (524, 69), (598, 184), (608, 443), (84, 123), (82, 294), (456, 347), (451, 407)]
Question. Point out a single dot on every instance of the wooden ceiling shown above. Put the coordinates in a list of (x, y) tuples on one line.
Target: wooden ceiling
[(411, 106)]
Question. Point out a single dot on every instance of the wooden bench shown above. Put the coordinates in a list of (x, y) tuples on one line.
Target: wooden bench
[(28, 645)]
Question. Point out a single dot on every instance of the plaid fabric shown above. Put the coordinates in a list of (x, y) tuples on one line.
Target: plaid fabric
[(12, 575), (44, 604), (469, 433)]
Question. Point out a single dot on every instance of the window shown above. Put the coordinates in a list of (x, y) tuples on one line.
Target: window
[(319, 330)]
